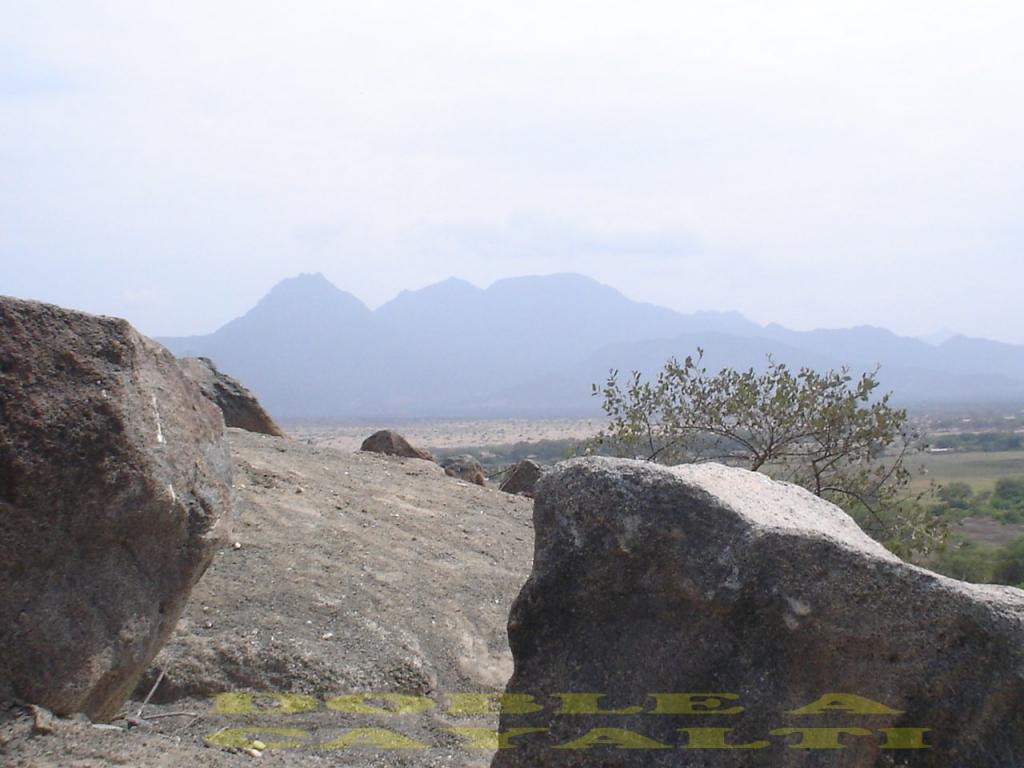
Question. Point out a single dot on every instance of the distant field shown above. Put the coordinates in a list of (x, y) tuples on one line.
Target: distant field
[(979, 470), (448, 434), (985, 530)]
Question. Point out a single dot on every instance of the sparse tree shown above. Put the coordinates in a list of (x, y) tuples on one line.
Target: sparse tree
[(827, 432)]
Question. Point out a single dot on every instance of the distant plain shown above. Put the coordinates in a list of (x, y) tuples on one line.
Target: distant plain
[(448, 434), (979, 469)]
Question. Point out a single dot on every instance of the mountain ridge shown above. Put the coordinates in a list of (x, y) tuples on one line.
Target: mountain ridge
[(525, 345)]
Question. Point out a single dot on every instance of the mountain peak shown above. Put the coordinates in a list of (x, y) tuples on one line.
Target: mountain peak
[(939, 337), (457, 282), (452, 286), (306, 283), (561, 285), (308, 292), (442, 294)]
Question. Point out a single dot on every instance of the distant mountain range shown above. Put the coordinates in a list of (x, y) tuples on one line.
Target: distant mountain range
[(532, 346)]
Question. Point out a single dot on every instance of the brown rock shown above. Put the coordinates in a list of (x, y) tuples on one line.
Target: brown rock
[(522, 478), (115, 489), (393, 444), (756, 603), (240, 407), (466, 468)]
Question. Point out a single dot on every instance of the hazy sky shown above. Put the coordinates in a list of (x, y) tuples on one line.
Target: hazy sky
[(812, 163)]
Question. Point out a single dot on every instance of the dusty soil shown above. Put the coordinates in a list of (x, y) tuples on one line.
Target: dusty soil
[(442, 434), (352, 572)]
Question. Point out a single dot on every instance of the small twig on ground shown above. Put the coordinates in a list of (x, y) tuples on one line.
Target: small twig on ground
[(141, 719), (170, 714), (160, 677)]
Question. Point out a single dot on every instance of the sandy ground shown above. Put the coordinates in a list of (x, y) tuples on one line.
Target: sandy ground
[(425, 433), (352, 573)]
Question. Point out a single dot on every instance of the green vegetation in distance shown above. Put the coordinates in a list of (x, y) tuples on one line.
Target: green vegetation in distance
[(975, 561), (980, 470), (497, 460), (979, 441), (1005, 503), (981, 564)]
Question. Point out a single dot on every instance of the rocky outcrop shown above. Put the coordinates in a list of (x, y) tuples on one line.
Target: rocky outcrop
[(522, 478), (115, 489), (787, 636), (466, 468), (393, 444), (240, 407)]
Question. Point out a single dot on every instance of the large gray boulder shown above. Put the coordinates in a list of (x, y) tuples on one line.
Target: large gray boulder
[(748, 593), (115, 489), (238, 405)]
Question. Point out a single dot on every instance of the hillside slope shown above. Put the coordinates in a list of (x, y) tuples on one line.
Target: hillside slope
[(355, 572)]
